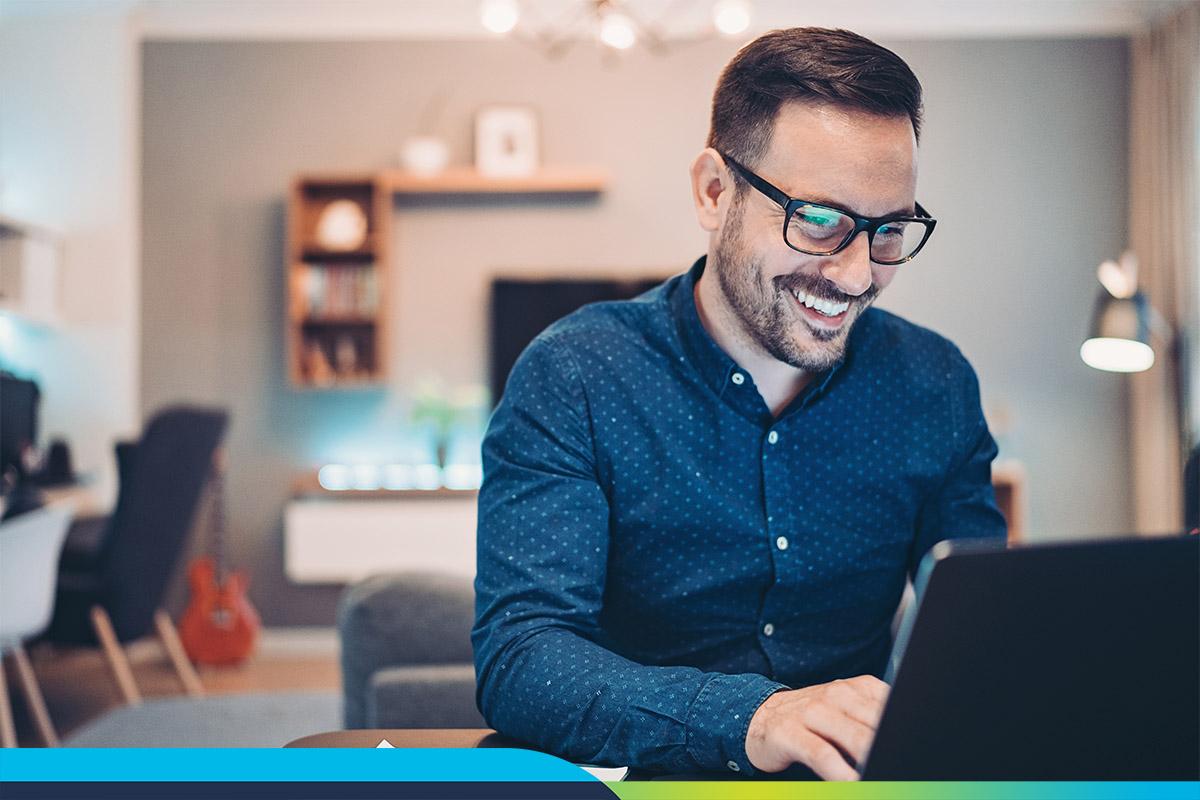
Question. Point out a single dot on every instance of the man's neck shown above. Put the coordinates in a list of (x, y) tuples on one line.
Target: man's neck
[(778, 382)]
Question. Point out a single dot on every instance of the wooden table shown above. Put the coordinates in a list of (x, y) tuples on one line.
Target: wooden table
[(465, 738), (452, 738), (85, 499)]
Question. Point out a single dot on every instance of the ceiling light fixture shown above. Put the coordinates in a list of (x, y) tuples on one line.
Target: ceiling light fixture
[(731, 17), (499, 16), (617, 31), (613, 23)]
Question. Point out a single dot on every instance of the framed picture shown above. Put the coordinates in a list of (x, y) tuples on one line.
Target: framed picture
[(506, 141)]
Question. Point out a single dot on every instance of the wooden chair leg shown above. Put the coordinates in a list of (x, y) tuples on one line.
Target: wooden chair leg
[(34, 699), (8, 732), (117, 661), (170, 642)]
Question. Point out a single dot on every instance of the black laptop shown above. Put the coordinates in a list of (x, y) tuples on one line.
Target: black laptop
[(1071, 661)]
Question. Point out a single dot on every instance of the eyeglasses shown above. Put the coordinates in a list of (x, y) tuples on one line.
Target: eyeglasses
[(822, 230)]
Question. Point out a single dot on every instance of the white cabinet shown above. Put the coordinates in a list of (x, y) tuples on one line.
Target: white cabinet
[(332, 539)]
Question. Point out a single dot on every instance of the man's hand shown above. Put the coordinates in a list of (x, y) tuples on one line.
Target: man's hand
[(827, 727)]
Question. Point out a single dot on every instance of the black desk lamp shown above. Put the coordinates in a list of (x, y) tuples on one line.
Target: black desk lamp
[(1119, 340)]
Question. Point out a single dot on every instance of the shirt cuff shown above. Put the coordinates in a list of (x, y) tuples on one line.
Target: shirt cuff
[(719, 717)]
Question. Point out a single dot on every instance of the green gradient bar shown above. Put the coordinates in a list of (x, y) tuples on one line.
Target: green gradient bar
[(916, 790)]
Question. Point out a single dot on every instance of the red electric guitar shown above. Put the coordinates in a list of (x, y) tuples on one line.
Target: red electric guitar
[(219, 626)]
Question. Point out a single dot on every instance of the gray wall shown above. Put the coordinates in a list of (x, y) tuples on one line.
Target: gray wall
[(1024, 164)]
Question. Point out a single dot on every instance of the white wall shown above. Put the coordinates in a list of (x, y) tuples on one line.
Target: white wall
[(70, 88)]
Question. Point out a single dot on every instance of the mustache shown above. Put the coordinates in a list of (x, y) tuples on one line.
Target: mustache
[(825, 289)]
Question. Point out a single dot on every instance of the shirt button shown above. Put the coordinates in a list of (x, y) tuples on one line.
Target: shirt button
[(733, 765), (738, 378), (772, 437), (781, 543), (768, 629)]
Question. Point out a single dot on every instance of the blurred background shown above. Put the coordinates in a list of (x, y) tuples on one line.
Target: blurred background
[(334, 224)]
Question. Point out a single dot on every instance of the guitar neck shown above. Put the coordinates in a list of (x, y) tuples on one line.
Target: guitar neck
[(218, 522)]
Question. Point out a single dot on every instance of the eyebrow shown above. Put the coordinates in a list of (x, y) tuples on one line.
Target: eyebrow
[(825, 201), (752, 176)]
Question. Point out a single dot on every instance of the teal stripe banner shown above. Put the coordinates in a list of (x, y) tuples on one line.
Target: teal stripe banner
[(284, 764)]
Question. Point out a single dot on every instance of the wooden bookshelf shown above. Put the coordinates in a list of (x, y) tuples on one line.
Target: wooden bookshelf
[(337, 299), (469, 181)]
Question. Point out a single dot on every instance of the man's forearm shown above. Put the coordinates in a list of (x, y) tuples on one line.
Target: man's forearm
[(567, 695)]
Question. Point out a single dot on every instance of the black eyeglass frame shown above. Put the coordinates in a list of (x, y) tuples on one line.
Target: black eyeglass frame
[(868, 224)]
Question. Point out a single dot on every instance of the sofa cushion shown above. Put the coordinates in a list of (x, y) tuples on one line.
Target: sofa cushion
[(427, 696), (401, 620)]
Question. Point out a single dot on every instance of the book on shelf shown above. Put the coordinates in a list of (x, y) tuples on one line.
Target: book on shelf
[(340, 291)]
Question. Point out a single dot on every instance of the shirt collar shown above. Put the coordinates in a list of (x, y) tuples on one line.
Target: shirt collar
[(713, 363), (715, 366)]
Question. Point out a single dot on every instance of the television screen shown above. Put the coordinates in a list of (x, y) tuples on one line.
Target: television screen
[(523, 308)]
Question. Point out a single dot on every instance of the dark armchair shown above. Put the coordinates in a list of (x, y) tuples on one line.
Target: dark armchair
[(114, 570)]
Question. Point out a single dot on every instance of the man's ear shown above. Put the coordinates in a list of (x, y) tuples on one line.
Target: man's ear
[(712, 189)]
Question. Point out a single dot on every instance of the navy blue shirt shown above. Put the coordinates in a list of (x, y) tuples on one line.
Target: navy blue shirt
[(658, 553)]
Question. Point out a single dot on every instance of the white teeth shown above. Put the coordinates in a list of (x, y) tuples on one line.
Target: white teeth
[(824, 306)]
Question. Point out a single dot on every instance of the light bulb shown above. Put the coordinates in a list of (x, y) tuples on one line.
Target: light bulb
[(731, 17), (617, 31), (499, 16), (366, 477), (397, 477), (334, 477), (1117, 355)]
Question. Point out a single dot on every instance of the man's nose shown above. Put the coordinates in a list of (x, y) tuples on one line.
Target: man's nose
[(851, 268)]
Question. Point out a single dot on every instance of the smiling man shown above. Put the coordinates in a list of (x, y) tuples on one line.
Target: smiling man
[(700, 506)]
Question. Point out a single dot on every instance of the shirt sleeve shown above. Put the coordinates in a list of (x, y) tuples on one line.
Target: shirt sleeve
[(543, 675), (964, 506)]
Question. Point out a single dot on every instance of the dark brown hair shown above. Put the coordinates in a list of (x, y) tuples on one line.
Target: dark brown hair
[(799, 64)]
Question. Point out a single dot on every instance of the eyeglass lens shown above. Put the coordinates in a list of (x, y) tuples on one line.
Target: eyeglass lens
[(819, 230)]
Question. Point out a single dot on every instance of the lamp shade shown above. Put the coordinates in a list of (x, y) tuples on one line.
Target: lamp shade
[(1119, 340)]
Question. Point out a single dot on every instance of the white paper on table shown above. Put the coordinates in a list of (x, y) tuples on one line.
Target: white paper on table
[(599, 773), (607, 774)]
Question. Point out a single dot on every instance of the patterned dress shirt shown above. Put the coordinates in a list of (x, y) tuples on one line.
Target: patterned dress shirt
[(658, 553)]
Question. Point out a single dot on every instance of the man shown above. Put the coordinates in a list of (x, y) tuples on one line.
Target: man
[(700, 506)]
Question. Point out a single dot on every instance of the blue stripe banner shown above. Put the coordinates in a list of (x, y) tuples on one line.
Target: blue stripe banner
[(285, 765)]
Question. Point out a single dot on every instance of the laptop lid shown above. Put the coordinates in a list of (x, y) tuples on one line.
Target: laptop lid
[(1075, 661)]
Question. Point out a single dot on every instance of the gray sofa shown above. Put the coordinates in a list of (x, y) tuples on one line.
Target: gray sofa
[(406, 652)]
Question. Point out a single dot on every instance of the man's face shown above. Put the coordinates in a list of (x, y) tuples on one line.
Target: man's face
[(824, 154)]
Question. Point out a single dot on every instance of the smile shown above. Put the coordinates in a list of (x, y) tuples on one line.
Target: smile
[(816, 307)]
